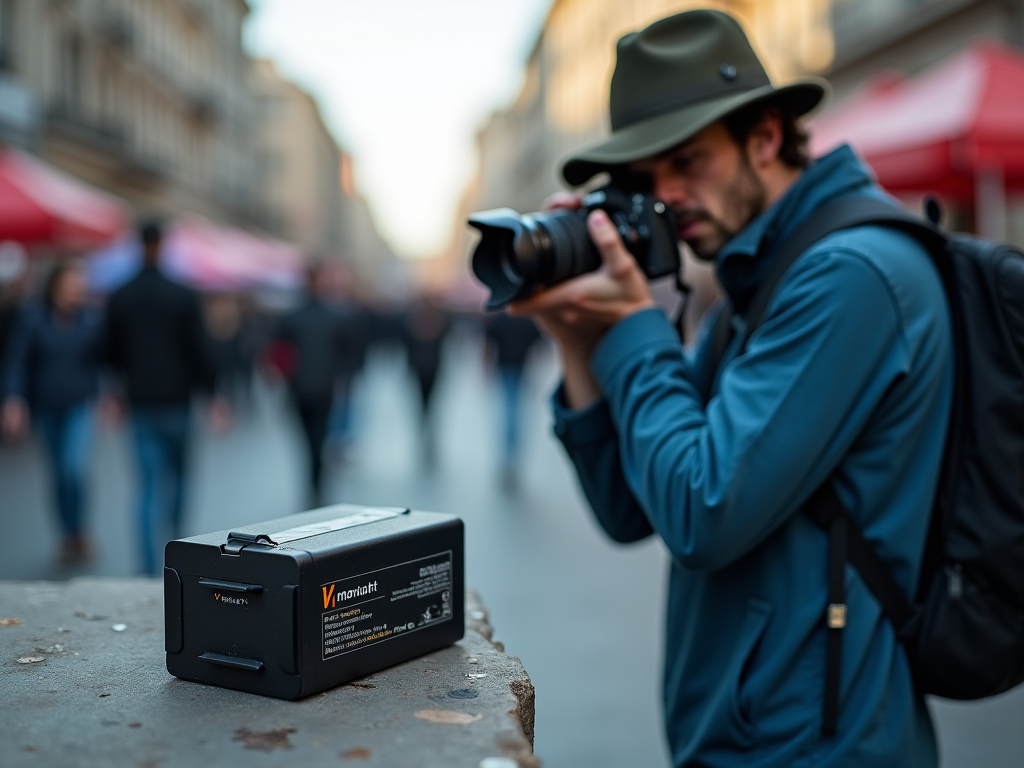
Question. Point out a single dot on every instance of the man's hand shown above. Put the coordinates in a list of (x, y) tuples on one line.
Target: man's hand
[(15, 417), (579, 312)]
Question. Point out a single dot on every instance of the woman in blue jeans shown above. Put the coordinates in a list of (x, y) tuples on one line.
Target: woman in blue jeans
[(51, 378)]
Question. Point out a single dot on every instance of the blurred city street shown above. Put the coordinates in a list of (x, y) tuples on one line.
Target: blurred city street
[(582, 613)]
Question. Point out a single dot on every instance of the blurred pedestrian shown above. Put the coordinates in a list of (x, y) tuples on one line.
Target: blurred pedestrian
[(51, 379), (316, 338), (230, 346), (357, 322), (157, 343), (424, 331), (512, 338)]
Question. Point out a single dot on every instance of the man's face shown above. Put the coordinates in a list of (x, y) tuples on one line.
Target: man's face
[(709, 182)]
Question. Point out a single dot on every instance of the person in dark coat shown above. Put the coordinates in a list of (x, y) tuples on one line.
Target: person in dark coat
[(157, 343), (318, 338), (512, 338), (358, 322), (425, 328), (51, 378)]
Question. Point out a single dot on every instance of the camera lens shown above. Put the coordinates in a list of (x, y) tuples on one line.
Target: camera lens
[(518, 255), (571, 252)]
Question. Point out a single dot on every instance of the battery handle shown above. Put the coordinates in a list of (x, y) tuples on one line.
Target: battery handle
[(238, 541)]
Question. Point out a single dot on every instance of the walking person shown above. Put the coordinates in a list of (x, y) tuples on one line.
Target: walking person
[(424, 331), (51, 380), (317, 338), (157, 344), (357, 323), (512, 339)]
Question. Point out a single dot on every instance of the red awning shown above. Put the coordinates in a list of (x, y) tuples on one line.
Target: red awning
[(939, 130), (40, 205)]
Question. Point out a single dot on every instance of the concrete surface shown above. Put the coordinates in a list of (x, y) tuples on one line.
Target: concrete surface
[(83, 683)]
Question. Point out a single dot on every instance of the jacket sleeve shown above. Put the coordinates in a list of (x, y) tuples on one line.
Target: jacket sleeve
[(716, 482), (16, 360), (590, 440)]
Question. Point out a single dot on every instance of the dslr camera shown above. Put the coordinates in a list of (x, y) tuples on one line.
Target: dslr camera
[(518, 255)]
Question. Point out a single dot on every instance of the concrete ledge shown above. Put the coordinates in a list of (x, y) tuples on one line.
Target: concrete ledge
[(101, 696)]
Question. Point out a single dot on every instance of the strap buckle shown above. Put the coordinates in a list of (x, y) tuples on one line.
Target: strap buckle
[(836, 615)]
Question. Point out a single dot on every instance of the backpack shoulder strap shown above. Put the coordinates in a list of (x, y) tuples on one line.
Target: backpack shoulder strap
[(831, 217)]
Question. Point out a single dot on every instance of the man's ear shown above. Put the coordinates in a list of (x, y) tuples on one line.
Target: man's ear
[(765, 139)]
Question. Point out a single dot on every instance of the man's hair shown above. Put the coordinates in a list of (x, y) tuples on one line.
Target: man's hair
[(151, 233), (795, 150)]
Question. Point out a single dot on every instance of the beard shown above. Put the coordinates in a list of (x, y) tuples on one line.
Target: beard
[(742, 201)]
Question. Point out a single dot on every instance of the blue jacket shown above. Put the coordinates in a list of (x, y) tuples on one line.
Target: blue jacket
[(51, 365), (850, 375)]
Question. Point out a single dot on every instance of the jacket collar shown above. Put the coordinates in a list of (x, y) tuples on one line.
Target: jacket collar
[(742, 262)]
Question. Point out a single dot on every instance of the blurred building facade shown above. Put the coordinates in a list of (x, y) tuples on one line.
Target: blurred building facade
[(157, 102), (298, 164), (306, 182), (912, 35), (147, 99)]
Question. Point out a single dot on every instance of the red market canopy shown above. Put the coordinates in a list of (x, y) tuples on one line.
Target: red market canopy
[(40, 205), (941, 130), (218, 257)]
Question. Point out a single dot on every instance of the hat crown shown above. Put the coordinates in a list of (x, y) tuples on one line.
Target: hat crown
[(678, 61)]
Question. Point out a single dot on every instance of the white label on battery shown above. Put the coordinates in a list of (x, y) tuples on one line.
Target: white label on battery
[(373, 607), (368, 515)]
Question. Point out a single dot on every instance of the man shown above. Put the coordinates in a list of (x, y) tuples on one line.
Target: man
[(425, 326), (849, 377), (318, 337), (157, 344)]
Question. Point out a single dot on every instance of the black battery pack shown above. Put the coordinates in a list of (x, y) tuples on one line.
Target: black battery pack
[(296, 605)]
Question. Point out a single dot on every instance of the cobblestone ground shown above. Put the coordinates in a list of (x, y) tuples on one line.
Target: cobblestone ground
[(583, 614)]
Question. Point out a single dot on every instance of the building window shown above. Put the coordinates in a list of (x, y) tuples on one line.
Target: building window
[(71, 72), (7, 35)]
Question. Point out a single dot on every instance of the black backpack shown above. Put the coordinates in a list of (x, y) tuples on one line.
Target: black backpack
[(964, 630)]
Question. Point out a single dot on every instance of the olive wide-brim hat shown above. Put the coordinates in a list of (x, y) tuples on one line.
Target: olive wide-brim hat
[(675, 78)]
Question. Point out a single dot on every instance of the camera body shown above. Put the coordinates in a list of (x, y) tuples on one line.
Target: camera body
[(518, 255)]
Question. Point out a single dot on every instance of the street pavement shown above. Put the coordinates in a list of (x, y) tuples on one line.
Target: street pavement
[(583, 614)]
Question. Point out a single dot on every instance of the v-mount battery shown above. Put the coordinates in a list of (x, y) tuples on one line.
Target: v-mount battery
[(293, 606)]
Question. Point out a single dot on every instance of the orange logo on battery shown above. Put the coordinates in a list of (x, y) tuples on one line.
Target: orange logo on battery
[(216, 595), (328, 596)]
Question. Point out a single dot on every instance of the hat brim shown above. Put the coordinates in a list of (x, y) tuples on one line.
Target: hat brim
[(651, 137)]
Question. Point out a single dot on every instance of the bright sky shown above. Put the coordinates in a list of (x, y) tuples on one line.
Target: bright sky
[(403, 85)]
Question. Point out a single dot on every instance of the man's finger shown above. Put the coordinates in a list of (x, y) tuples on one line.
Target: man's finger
[(608, 242)]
